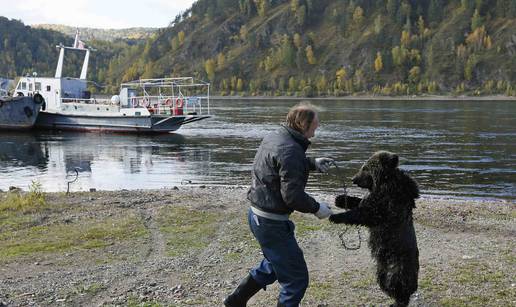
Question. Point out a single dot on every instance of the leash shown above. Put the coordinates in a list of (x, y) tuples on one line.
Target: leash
[(355, 246)]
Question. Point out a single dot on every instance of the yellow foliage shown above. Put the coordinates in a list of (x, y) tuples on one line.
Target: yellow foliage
[(209, 66), (405, 38), (378, 63), (310, 57)]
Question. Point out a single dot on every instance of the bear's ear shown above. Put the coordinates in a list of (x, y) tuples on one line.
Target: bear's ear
[(394, 160)]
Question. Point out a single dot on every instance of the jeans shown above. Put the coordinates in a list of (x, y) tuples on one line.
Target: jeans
[(283, 259)]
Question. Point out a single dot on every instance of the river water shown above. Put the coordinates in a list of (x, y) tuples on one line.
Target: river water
[(458, 149)]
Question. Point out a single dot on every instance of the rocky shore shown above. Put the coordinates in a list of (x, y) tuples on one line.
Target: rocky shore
[(191, 246)]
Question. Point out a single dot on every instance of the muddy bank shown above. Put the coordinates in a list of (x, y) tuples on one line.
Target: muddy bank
[(191, 246)]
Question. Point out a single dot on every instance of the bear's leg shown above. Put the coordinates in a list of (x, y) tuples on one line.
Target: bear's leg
[(397, 279)]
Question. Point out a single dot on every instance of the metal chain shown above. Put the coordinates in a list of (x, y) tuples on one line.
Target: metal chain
[(347, 227)]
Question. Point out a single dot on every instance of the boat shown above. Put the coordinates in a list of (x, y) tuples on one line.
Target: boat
[(142, 106), (20, 112)]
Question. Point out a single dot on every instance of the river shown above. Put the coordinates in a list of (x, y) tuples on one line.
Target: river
[(457, 149)]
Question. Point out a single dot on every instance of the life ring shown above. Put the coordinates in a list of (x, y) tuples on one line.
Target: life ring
[(178, 108), (180, 102)]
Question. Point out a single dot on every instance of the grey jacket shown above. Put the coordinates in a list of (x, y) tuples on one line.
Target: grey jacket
[(280, 174)]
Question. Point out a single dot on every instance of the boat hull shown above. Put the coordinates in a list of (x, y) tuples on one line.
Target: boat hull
[(18, 113), (123, 124)]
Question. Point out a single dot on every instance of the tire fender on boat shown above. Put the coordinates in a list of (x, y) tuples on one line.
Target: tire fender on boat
[(38, 98)]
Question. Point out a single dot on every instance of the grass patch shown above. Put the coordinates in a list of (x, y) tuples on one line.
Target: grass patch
[(306, 225), (320, 290), (62, 237), (18, 201), (187, 229), (477, 273)]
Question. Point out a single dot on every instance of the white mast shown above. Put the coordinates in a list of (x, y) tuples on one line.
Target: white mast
[(59, 69), (77, 45)]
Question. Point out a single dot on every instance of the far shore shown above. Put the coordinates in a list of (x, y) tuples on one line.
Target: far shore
[(372, 97)]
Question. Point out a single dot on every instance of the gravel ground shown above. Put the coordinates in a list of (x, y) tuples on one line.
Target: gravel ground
[(191, 246)]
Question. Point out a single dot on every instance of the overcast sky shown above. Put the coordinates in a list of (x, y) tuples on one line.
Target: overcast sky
[(114, 14)]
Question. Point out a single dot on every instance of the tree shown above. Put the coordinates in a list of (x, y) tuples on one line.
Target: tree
[(292, 85), (209, 66), (221, 61), (310, 57), (358, 17), (435, 11), (243, 33), (405, 38), (294, 5), (298, 40), (321, 84), (175, 43), (476, 21), (340, 78), (181, 37), (240, 85), (301, 15), (378, 63), (392, 8), (378, 24), (414, 74)]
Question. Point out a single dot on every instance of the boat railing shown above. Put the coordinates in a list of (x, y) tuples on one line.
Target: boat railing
[(171, 105), (87, 101)]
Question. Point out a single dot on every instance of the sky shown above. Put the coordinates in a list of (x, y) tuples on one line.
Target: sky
[(107, 14)]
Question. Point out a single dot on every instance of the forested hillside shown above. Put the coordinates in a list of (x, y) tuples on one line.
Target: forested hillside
[(25, 50), (88, 34), (324, 47), (316, 48)]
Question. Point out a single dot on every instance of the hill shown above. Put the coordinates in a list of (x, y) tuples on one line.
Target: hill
[(89, 34), (25, 50), (324, 47), (302, 48)]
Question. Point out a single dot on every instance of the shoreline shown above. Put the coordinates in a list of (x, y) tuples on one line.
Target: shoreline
[(190, 246), (501, 98)]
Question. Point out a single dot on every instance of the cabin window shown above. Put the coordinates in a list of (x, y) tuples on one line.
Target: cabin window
[(48, 88), (24, 85), (37, 86), (30, 87)]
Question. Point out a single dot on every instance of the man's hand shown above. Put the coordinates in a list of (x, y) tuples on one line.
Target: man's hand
[(324, 211), (323, 164)]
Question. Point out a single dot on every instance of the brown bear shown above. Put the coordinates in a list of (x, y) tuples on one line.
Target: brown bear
[(387, 211)]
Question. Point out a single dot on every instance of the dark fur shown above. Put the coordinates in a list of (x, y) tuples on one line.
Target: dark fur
[(387, 211)]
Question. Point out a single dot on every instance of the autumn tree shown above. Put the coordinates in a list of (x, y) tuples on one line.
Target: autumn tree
[(378, 62), (209, 66), (310, 57)]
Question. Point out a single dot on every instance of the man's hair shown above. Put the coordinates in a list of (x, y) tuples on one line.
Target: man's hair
[(301, 116)]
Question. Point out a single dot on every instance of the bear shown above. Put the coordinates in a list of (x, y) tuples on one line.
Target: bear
[(387, 212)]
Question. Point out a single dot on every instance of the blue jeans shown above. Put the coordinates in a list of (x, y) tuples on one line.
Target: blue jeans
[(283, 259)]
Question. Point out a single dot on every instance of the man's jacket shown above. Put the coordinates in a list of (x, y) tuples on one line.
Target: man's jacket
[(280, 174)]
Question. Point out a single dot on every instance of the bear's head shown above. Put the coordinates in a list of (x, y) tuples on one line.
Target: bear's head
[(380, 166)]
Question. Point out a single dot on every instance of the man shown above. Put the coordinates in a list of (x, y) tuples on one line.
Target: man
[(280, 174)]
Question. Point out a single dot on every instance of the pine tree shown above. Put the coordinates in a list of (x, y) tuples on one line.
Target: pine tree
[(434, 11), (476, 20)]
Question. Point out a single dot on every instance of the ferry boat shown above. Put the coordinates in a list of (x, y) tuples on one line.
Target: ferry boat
[(142, 106)]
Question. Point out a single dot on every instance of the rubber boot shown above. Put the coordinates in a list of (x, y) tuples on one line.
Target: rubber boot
[(245, 290)]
